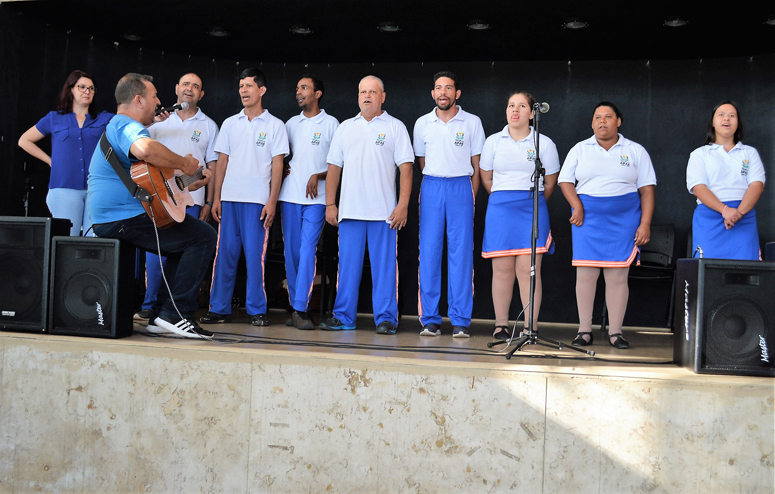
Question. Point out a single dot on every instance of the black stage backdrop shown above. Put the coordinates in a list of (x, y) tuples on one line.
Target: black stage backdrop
[(666, 107)]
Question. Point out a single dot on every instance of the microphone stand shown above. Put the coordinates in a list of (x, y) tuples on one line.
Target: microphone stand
[(531, 336), (27, 188)]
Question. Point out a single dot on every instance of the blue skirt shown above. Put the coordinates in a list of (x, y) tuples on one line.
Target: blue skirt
[(740, 242), (508, 225), (606, 239)]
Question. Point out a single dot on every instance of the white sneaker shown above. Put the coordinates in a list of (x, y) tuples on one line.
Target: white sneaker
[(184, 328)]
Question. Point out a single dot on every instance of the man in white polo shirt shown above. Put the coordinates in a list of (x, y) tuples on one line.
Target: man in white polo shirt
[(303, 194), (248, 175), (184, 132), (447, 142), (365, 152)]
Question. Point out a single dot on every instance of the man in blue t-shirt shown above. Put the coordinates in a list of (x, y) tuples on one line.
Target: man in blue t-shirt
[(188, 245)]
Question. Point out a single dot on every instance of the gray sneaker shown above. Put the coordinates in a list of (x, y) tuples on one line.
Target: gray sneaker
[(460, 332), (301, 320), (431, 329), (143, 315)]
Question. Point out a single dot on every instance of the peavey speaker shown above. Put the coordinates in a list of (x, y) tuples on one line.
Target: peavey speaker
[(25, 244), (728, 317), (92, 282)]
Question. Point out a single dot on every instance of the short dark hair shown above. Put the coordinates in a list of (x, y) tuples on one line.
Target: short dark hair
[(192, 73), (317, 84), (611, 106), (529, 97), (258, 77), (65, 104), (129, 86), (710, 137), (447, 74)]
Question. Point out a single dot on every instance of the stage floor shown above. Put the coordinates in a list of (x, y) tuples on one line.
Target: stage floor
[(650, 353)]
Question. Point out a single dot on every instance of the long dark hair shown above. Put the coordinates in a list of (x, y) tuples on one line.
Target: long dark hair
[(710, 137), (65, 104)]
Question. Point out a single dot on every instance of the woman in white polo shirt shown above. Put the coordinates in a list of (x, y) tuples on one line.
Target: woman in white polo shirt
[(727, 178), (506, 167), (609, 182)]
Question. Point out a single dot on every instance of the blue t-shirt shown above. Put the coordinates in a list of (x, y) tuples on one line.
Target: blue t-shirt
[(108, 199), (71, 146)]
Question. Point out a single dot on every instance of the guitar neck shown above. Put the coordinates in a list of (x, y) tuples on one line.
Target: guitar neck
[(186, 180)]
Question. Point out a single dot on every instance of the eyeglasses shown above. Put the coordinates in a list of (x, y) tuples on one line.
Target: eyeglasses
[(84, 88)]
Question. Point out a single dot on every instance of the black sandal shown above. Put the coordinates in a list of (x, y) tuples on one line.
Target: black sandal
[(580, 341), (619, 341), (502, 333)]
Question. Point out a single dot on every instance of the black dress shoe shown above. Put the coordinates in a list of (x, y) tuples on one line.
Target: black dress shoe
[(214, 318), (580, 341), (502, 333), (619, 341)]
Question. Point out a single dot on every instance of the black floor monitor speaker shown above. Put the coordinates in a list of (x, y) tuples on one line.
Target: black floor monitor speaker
[(92, 283), (725, 317), (25, 245)]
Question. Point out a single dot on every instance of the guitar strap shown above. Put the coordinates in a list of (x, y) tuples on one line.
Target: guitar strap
[(134, 189)]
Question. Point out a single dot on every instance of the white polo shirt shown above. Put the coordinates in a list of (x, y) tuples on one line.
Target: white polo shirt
[(250, 146), (369, 152), (195, 136), (310, 139), (448, 146), (624, 168), (513, 162), (727, 175)]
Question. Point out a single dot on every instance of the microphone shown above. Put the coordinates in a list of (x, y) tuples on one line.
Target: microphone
[(182, 106), (542, 107)]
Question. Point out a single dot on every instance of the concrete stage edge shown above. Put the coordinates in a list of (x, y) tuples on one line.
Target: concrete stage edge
[(149, 414)]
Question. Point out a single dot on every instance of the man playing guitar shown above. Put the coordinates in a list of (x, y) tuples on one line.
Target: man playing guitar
[(188, 245)]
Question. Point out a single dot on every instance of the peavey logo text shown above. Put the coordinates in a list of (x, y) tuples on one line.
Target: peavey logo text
[(686, 309), (100, 318), (765, 352)]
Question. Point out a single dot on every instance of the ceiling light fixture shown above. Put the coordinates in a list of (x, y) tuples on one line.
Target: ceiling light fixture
[(770, 21), (389, 27), (301, 29), (218, 32), (478, 25), (675, 22), (575, 23)]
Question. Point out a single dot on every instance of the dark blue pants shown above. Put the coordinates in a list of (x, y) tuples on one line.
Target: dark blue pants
[(188, 246)]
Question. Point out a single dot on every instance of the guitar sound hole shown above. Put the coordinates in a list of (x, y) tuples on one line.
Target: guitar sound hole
[(179, 182)]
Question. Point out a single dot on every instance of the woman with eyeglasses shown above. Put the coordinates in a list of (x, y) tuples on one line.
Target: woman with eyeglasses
[(75, 129)]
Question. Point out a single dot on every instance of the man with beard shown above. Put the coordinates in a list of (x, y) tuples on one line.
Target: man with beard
[(184, 132), (303, 194), (447, 143), (365, 152)]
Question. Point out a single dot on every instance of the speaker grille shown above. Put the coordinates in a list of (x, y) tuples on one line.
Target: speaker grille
[(22, 289), (733, 330), (87, 299)]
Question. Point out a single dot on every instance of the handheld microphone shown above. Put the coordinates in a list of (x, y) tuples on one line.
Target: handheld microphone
[(182, 106), (542, 107)]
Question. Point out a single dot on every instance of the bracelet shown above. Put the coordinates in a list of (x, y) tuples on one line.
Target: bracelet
[(329, 205), (209, 203), (723, 210)]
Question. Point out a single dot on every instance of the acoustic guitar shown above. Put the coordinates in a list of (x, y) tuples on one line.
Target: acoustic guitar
[(169, 192)]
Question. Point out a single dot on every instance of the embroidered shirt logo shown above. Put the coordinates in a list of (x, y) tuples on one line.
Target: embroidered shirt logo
[(624, 160), (196, 136), (531, 154), (744, 170), (261, 141), (380, 140), (460, 139), (316, 139)]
